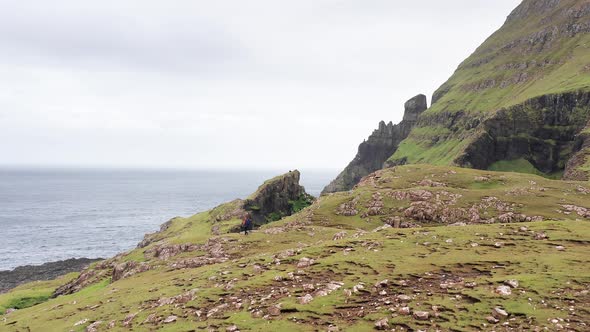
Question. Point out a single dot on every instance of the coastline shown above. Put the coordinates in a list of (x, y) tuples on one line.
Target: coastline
[(10, 279)]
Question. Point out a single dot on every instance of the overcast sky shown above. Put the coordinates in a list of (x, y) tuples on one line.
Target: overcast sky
[(220, 84)]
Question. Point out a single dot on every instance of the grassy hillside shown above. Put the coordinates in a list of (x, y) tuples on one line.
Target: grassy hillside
[(338, 265), (542, 49)]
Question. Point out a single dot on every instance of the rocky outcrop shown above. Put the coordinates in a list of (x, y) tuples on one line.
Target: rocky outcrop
[(546, 131), (277, 198), (373, 152), (578, 166), (47, 271)]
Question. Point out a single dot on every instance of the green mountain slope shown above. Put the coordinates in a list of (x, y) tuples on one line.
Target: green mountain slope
[(519, 243), (531, 78)]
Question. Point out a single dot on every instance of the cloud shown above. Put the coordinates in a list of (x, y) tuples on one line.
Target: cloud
[(190, 83)]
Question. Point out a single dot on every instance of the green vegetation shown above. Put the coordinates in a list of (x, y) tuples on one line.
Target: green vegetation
[(450, 272), (517, 165), (301, 203), (31, 294), (524, 59)]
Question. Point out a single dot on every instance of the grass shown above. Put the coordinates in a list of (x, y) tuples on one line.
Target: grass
[(31, 294), (422, 257), (560, 67)]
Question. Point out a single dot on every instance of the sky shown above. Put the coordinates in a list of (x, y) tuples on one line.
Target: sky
[(257, 84)]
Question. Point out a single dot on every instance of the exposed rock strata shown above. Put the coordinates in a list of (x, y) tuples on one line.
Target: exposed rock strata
[(373, 152), (546, 131)]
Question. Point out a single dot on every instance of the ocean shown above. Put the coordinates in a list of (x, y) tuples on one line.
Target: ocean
[(49, 215)]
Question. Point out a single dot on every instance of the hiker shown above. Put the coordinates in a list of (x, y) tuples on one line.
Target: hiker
[(247, 224)]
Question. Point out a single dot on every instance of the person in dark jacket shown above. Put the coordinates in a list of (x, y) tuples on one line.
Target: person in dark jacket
[(247, 224)]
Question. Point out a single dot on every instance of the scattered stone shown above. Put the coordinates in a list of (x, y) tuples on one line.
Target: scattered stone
[(405, 311), (421, 315), (93, 327), (512, 283), (127, 321), (560, 248), (498, 244), (339, 236), (504, 290), (83, 321), (274, 310), (470, 284), (382, 324), (10, 310), (540, 236), (305, 299), (499, 313), (492, 320), (382, 283), (404, 298), (232, 328), (170, 319), (305, 262)]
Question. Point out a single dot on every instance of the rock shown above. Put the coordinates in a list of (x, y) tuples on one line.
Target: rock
[(421, 315), (503, 290), (470, 284), (305, 262), (93, 327), (127, 269), (111, 324), (128, 320), (333, 328), (275, 197), (374, 152), (560, 248), (403, 298), (170, 319), (540, 236), (512, 283), (382, 283), (232, 328), (47, 271), (274, 310), (10, 310), (492, 320), (305, 299), (339, 236), (83, 321), (405, 311), (382, 324), (498, 244), (499, 313)]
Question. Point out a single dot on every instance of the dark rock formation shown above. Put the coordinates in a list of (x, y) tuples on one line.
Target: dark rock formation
[(373, 152), (47, 271), (578, 166), (545, 130), (276, 198)]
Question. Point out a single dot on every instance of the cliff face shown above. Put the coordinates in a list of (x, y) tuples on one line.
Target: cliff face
[(522, 95), (277, 198), (373, 152)]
